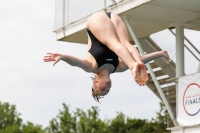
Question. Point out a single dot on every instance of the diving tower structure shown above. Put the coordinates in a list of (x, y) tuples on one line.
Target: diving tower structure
[(167, 79)]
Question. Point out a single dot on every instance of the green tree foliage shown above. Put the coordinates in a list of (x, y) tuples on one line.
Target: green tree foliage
[(122, 124), (31, 128), (77, 122), (9, 118), (64, 123), (160, 122), (10, 121), (82, 122), (89, 122), (118, 124), (138, 126), (11, 129)]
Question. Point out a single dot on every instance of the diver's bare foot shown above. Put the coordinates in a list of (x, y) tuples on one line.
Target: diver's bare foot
[(143, 74), (135, 72), (165, 54)]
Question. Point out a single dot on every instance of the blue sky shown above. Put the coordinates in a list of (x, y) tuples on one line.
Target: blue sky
[(38, 89)]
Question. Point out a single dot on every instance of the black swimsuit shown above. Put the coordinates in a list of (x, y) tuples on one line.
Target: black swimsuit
[(101, 52)]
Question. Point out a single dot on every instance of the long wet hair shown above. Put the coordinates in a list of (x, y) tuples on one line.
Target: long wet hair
[(94, 94)]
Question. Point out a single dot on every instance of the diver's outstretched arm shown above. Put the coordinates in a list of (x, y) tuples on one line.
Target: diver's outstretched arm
[(71, 60), (145, 59)]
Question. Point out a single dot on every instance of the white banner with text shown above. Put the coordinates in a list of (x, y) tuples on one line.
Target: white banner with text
[(189, 100)]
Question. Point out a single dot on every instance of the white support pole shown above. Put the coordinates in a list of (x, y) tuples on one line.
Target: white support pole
[(105, 4), (198, 69), (151, 73), (179, 58), (179, 51)]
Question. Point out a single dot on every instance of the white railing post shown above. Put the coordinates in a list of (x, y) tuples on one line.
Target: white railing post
[(66, 12), (63, 24), (65, 15)]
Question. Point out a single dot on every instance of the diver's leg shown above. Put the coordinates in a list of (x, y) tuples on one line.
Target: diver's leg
[(149, 57), (122, 34), (103, 29)]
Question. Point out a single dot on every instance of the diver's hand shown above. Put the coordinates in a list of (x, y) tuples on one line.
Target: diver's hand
[(56, 57)]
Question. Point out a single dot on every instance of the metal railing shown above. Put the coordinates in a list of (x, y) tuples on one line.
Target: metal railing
[(69, 11), (195, 49)]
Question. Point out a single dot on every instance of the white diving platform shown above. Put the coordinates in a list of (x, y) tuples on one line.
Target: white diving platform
[(143, 18)]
